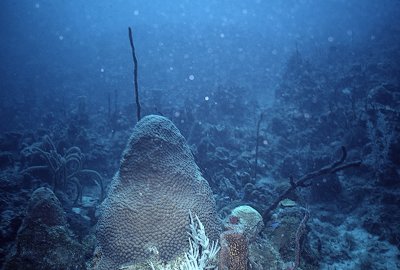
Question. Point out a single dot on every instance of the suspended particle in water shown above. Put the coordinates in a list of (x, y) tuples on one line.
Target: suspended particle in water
[(222, 35), (191, 77), (349, 32), (37, 5), (102, 70), (60, 37), (331, 39), (177, 114), (206, 98), (136, 12)]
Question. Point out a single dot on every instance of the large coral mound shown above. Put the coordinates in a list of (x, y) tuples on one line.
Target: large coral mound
[(146, 214)]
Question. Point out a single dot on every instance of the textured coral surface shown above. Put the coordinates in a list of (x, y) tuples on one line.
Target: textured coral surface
[(234, 251), (245, 219), (146, 214)]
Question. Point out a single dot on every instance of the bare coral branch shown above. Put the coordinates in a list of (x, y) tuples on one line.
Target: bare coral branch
[(304, 180)]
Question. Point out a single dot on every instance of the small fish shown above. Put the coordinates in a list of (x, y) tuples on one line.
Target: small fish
[(275, 224)]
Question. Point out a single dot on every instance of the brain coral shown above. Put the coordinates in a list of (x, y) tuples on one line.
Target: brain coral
[(146, 213), (247, 220)]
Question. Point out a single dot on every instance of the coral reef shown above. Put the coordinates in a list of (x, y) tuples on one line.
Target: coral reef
[(44, 241), (66, 169), (342, 98), (286, 232), (145, 215), (262, 255)]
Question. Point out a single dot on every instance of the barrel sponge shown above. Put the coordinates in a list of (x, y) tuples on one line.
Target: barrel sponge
[(146, 213)]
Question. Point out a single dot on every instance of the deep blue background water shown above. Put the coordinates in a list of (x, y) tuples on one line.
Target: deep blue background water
[(60, 50)]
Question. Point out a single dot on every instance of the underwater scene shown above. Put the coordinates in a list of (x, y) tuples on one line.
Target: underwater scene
[(200, 135)]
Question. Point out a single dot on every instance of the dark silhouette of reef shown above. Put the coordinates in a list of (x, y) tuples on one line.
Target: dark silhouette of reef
[(43, 240)]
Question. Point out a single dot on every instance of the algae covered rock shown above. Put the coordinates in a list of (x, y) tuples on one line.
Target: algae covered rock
[(43, 240), (282, 230), (45, 208)]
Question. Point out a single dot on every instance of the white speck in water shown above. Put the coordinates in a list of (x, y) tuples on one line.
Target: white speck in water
[(171, 68), (102, 70), (61, 37), (331, 39), (37, 5), (191, 77), (274, 52), (244, 11), (373, 37), (177, 114), (206, 98), (346, 91), (349, 32), (265, 142), (136, 12), (222, 35)]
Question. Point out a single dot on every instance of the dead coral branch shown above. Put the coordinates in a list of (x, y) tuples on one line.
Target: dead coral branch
[(304, 181)]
